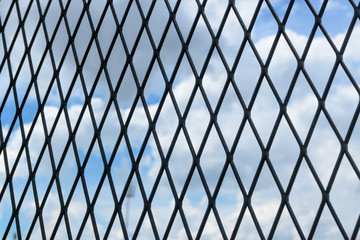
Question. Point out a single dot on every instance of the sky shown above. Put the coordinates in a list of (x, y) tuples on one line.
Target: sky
[(323, 143)]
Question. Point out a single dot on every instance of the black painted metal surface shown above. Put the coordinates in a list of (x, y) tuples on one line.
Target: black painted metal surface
[(65, 44)]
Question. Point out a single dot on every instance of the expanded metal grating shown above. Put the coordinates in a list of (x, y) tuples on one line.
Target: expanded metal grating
[(179, 119)]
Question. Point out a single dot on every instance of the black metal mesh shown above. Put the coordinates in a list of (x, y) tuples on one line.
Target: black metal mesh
[(179, 119)]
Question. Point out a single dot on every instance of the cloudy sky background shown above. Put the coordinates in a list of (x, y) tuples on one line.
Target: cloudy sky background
[(323, 150)]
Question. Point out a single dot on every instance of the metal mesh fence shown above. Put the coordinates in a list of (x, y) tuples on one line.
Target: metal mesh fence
[(179, 119)]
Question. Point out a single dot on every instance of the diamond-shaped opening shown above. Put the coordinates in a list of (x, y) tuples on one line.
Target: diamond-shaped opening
[(162, 205), (198, 113), (298, 31), (110, 131), (20, 177), (352, 59), (77, 209), (264, 31), (142, 56), (195, 203), (166, 124), (302, 106), (93, 170), (43, 175), (266, 189), (106, 32), (327, 228), (51, 107), (214, 79), (132, 207), (158, 20), (8, 112), (246, 9), (31, 20), (185, 16), (305, 206), (132, 26), (104, 208), (29, 111), (354, 143), (247, 156), (37, 50), (73, 14), (183, 84), (323, 149), (264, 111), (280, 75), (230, 116), (52, 16), (59, 43), (284, 153), (247, 73), (247, 229), (6, 212), (44, 77), (2, 171), (67, 72), (320, 61), (180, 162), (342, 101), (336, 20), (215, 12), (199, 45), (84, 134), (22, 82), (137, 128), (154, 88), (345, 194), (51, 210), (75, 103), (100, 99), (68, 172), (285, 228), (5, 80), (149, 165), (116, 61), (91, 67), (229, 202), (127, 92), (59, 138), (10, 27), (230, 38), (211, 229), (2, 49), (82, 37), (212, 159), (170, 51), (96, 9), (14, 144), (27, 211)]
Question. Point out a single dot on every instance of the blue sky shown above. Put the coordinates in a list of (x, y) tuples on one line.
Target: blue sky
[(284, 151)]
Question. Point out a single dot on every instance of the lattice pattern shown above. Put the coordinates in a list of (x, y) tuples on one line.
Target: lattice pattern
[(179, 119)]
